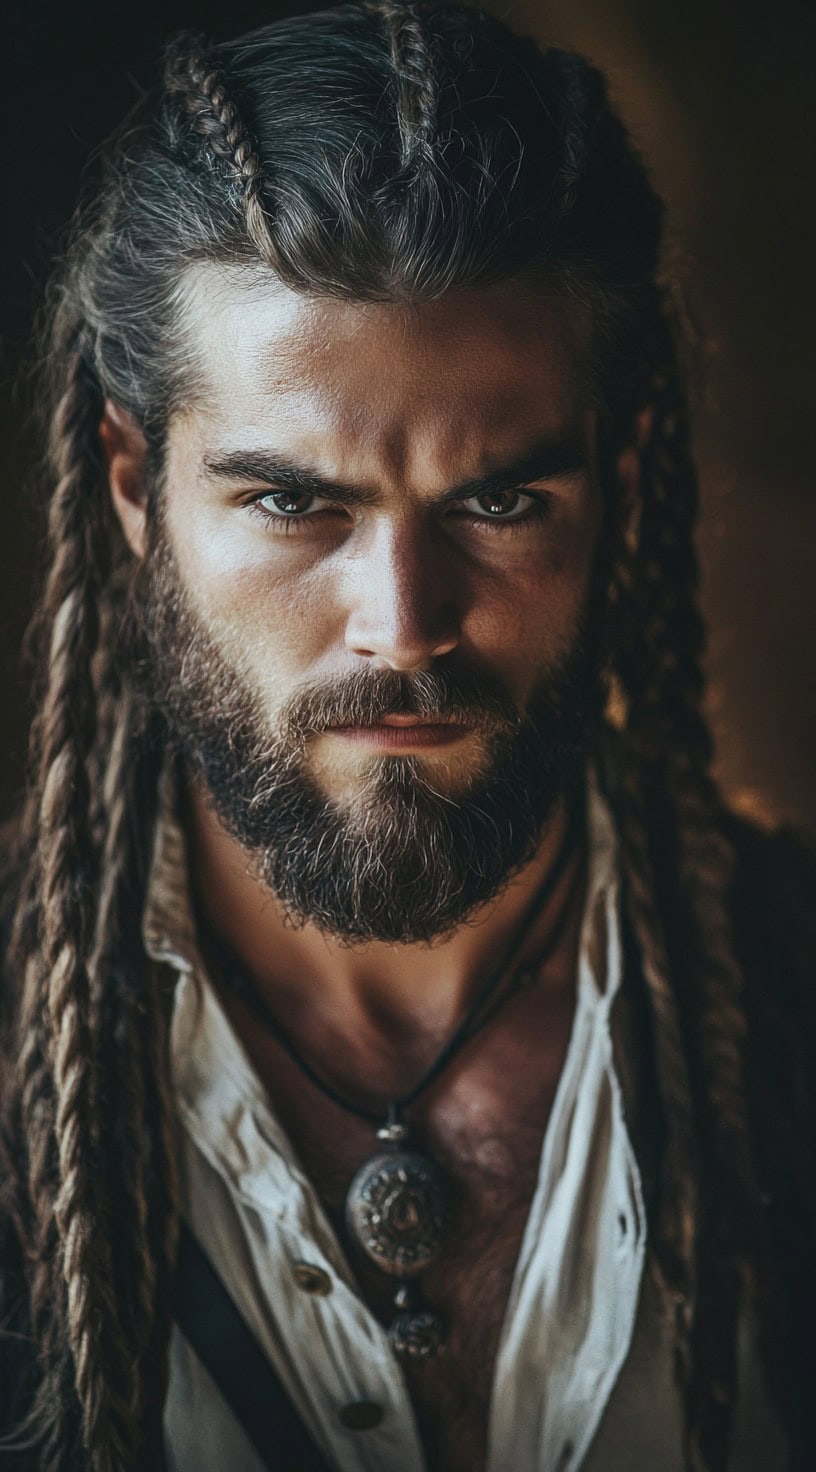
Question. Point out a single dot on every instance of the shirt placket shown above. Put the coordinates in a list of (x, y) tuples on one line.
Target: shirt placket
[(331, 1353), (557, 1385)]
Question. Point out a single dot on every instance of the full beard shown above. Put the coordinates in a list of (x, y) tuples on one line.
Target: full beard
[(400, 861)]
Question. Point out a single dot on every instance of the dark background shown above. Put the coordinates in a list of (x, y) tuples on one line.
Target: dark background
[(720, 99)]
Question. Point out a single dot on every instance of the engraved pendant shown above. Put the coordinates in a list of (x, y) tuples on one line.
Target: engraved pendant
[(415, 1333), (396, 1211)]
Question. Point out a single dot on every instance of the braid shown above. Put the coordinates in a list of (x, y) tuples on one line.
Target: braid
[(200, 83), (676, 1225), (136, 1145), (713, 980), (89, 1406), (410, 46), (122, 1112), (65, 865), (163, 1221), (671, 802)]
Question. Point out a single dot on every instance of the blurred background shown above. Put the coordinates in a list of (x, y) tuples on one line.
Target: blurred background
[(720, 98)]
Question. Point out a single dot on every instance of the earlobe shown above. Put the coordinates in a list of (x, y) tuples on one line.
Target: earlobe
[(125, 449)]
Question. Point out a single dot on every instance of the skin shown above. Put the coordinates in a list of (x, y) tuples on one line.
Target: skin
[(405, 404)]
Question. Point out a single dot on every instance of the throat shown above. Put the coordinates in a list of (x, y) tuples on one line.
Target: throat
[(402, 1001)]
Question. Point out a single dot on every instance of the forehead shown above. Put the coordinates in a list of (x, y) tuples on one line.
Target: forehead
[(382, 387)]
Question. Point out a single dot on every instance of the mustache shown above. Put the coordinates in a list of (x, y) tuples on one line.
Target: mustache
[(363, 697)]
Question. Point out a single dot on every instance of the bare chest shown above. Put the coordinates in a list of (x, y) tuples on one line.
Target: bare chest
[(467, 1286), (488, 1150)]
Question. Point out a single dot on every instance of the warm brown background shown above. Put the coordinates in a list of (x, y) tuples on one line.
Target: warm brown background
[(720, 98)]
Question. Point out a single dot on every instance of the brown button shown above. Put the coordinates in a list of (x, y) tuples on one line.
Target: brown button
[(361, 1415), (312, 1279)]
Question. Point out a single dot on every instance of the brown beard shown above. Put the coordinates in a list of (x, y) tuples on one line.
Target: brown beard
[(403, 862)]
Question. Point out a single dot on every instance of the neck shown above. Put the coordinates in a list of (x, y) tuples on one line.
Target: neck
[(313, 980)]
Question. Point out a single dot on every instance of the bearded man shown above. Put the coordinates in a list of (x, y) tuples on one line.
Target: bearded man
[(407, 1052)]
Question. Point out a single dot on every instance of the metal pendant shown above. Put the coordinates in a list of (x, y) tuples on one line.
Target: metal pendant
[(416, 1335), (396, 1211)]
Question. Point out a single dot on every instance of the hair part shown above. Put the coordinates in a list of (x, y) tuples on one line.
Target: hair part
[(374, 152)]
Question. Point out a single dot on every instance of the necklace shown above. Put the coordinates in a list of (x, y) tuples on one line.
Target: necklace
[(396, 1208)]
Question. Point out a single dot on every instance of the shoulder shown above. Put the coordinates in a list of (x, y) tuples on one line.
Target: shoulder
[(773, 914), (775, 869), (774, 929)]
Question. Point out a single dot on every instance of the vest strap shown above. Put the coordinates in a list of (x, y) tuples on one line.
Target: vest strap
[(213, 1327)]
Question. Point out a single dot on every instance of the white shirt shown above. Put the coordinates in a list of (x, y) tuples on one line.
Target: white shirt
[(583, 1375)]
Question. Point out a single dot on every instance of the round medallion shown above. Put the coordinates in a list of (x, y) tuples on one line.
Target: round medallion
[(396, 1211), (416, 1336)]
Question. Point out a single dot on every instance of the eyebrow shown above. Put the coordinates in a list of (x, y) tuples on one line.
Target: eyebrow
[(544, 460)]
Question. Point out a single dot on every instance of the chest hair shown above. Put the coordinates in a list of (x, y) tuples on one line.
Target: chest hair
[(491, 1182)]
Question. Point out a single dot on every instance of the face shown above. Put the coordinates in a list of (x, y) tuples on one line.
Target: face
[(369, 596)]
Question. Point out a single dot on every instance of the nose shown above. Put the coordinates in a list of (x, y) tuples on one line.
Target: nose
[(402, 612)]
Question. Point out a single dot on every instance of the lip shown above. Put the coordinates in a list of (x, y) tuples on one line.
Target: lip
[(409, 720), (404, 731)]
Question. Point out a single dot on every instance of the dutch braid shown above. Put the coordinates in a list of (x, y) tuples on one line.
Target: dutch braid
[(415, 76), (670, 745), (71, 1278), (123, 1146), (136, 1147), (199, 83)]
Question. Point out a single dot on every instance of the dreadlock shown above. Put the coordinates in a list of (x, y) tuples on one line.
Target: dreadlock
[(376, 151)]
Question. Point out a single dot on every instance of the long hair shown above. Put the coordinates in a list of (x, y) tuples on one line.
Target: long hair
[(383, 152)]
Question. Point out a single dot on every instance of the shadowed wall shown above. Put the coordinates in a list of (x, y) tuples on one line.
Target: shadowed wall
[(719, 98)]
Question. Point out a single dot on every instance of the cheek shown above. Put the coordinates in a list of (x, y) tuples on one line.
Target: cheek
[(267, 618), (529, 616)]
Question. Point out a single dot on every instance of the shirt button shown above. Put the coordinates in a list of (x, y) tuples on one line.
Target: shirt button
[(361, 1415), (312, 1279)]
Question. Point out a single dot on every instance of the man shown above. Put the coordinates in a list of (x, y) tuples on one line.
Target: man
[(407, 1052)]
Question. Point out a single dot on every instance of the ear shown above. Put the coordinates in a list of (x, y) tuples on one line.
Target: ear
[(125, 450), (628, 467)]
